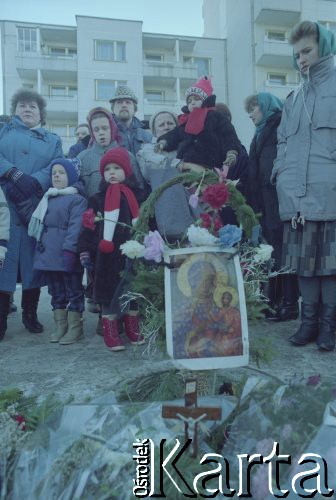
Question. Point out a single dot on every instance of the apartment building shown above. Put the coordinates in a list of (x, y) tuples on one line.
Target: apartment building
[(78, 68), (259, 58)]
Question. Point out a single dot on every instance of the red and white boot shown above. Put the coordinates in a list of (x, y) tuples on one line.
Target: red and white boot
[(132, 329), (111, 335)]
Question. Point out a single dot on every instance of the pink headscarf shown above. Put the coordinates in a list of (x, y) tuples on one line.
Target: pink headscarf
[(113, 126)]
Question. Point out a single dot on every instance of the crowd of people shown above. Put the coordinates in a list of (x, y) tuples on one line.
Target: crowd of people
[(288, 177)]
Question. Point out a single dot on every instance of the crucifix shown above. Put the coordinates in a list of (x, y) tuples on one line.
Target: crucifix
[(191, 414)]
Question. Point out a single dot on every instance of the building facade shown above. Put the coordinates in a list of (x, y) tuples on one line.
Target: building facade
[(78, 68), (259, 58)]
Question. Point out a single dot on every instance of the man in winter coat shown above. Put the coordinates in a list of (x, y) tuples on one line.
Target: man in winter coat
[(124, 106)]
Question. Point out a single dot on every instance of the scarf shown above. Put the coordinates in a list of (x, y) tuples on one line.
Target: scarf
[(268, 105), (111, 213), (195, 120), (36, 224)]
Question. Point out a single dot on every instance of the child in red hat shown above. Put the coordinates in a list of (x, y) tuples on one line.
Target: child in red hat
[(100, 244), (205, 137)]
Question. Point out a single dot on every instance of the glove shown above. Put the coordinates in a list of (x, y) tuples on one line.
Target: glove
[(231, 158), (85, 261), (27, 184), (69, 261)]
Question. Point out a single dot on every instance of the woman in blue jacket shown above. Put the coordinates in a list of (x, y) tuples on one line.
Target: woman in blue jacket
[(26, 150)]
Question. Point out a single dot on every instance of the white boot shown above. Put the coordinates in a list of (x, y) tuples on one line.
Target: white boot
[(61, 321), (75, 328)]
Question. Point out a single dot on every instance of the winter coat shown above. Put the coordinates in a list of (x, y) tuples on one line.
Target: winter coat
[(80, 146), (90, 169), (134, 136), (210, 146), (107, 266), (31, 151), (305, 167), (262, 195), (62, 227)]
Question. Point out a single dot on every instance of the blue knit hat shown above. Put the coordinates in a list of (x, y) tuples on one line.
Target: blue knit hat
[(71, 166)]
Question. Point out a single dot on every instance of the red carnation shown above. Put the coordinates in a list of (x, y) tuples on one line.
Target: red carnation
[(88, 219), (21, 421), (216, 195), (206, 220)]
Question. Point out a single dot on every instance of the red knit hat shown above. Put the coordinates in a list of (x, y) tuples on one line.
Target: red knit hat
[(201, 88), (119, 156)]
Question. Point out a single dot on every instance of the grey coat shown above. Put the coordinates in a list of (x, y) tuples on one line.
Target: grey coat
[(305, 168), (31, 151), (90, 167)]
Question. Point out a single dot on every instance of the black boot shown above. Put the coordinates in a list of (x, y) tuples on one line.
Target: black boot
[(29, 305), (4, 310), (287, 311), (309, 328), (326, 337)]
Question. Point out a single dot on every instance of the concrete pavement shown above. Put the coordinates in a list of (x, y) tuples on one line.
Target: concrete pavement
[(87, 369)]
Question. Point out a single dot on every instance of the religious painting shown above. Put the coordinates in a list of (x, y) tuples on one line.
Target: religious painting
[(206, 321)]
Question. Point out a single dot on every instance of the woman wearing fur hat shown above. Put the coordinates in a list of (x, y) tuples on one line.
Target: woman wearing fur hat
[(305, 175), (172, 211), (99, 244), (205, 137), (56, 224)]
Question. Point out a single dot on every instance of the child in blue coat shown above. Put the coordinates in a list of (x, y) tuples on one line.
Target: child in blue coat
[(56, 225)]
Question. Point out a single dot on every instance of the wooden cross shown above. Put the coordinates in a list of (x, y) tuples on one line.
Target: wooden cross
[(191, 414)]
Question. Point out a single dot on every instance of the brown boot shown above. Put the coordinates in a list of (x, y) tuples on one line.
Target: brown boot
[(132, 329), (111, 334)]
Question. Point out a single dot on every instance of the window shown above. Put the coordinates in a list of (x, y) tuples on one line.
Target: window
[(276, 36), (62, 130), (157, 58), (27, 40), (57, 51), (277, 78), (108, 50), (62, 91), (202, 64), (154, 95), (105, 89)]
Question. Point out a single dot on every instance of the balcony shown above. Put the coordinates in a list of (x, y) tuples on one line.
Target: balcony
[(279, 90), (44, 61), (172, 70), (275, 13), (62, 107), (151, 107), (274, 54)]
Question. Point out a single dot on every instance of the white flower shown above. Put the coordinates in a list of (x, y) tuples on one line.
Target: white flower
[(263, 253), (132, 249), (199, 236)]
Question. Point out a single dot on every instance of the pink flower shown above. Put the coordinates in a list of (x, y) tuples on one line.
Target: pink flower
[(193, 200), (217, 224), (154, 246), (222, 172), (21, 421)]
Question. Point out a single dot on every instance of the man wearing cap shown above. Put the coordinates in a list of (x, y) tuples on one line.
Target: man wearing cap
[(124, 106)]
